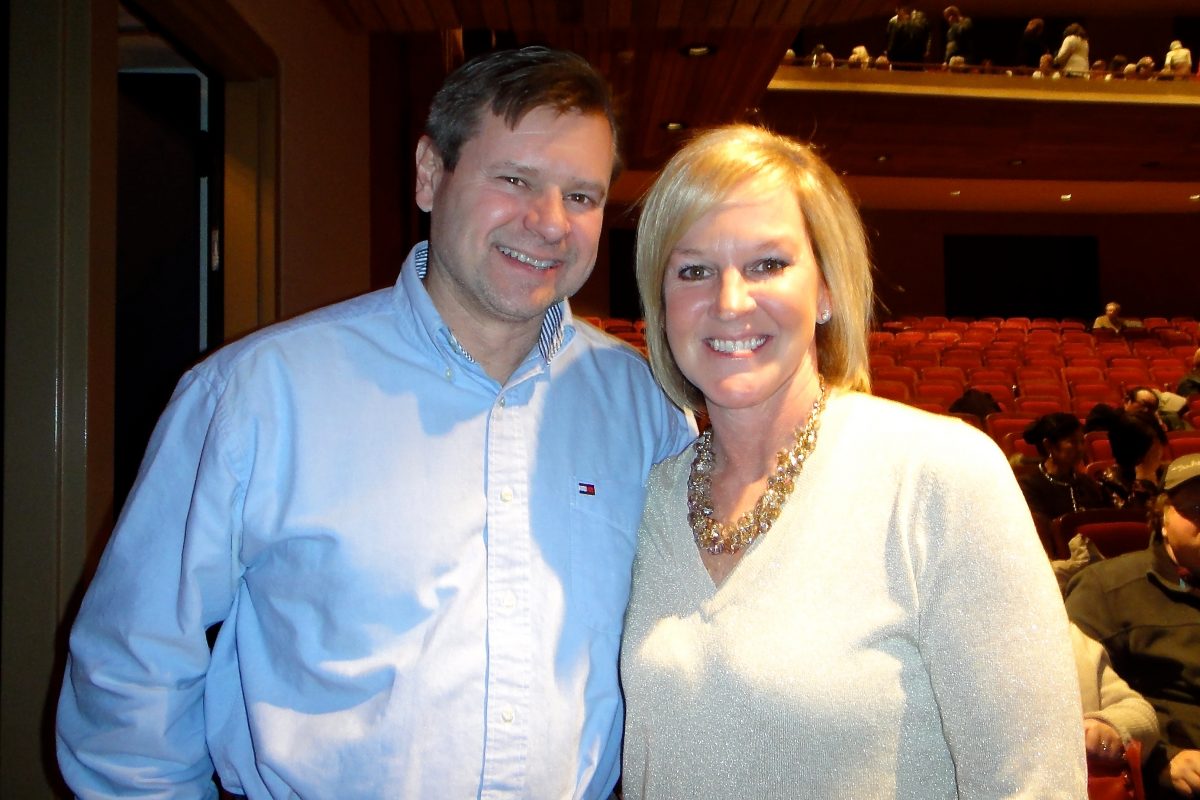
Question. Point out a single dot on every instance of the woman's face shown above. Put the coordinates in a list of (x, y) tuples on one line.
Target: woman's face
[(1067, 451), (742, 293)]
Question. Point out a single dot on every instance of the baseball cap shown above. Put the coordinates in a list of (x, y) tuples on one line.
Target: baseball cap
[(1182, 470)]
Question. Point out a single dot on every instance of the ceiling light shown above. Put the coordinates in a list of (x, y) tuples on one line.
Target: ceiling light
[(1016, 162), (1066, 198), (881, 158), (698, 50), (955, 192), (1194, 198), (674, 125)]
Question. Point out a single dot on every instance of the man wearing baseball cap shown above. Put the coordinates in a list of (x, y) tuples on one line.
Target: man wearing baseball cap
[(1144, 607)]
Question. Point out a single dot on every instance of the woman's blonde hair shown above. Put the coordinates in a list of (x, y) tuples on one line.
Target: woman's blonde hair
[(700, 177)]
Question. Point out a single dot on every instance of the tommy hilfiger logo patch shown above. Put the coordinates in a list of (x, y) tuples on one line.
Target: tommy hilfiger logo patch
[(587, 488)]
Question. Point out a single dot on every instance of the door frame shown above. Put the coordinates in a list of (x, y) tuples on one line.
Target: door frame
[(59, 315)]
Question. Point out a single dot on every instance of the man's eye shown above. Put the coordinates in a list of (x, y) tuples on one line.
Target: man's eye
[(512, 180), (579, 198)]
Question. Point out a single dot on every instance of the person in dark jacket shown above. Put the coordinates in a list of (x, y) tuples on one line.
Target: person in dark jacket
[(1144, 607)]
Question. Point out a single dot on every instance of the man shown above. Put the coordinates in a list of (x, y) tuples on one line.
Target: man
[(1190, 383), (1144, 608), (412, 515), (1111, 320), (908, 38), (960, 36)]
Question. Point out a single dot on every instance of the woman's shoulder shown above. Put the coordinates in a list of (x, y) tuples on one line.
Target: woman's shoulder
[(887, 432), (888, 419)]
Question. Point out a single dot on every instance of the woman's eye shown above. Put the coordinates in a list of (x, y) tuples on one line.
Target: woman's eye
[(768, 265), (692, 272)]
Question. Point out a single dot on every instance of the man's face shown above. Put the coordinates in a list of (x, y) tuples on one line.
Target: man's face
[(1142, 401), (515, 226), (1181, 525), (1112, 310)]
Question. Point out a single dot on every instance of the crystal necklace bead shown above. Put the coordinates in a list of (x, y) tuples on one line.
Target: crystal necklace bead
[(716, 537)]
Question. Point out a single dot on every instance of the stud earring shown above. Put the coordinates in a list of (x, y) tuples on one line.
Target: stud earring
[(826, 315)]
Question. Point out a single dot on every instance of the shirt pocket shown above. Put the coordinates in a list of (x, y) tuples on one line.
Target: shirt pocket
[(605, 514)]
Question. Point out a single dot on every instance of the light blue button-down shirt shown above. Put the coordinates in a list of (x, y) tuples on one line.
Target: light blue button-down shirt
[(421, 573)]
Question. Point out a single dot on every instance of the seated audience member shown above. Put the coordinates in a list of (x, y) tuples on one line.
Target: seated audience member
[(1138, 399), (1111, 319), (1144, 70), (1099, 67), (1116, 68), (881, 62), (1058, 487), (1144, 608), (977, 403), (859, 58), (1178, 61), (1137, 441), (1113, 714), (1190, 384), (1046, 68)]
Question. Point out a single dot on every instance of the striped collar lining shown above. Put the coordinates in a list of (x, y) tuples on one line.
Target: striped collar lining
[(550, 339)]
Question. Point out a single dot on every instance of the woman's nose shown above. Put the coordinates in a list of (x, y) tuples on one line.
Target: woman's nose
[(734, 298)]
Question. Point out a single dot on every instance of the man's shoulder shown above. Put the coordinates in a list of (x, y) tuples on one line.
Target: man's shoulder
[(308, 335), (613, 353), (1114, 574)]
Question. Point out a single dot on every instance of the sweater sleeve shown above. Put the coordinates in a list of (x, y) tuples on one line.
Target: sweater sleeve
[(130, 716), (992, 630), (1107, 697)]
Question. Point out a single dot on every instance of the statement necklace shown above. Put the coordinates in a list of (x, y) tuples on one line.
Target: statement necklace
[(716, 537), (1068, 485)]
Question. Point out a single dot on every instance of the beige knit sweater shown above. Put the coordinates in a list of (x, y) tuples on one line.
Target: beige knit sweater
[(897, 634)]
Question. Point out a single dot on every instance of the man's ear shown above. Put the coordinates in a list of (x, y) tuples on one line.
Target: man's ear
[(429, 173)]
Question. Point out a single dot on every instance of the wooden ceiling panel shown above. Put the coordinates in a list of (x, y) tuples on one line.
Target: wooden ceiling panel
[(520, 15), (958, 128), (469, 14), (419, 15)]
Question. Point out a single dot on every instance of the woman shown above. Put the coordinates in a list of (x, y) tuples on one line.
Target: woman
[(1058, 487), (1137, 441), (834, 596), (1073, 57)]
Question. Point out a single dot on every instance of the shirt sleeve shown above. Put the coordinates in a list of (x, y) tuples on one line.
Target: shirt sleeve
[(993, 633), (130, 716)]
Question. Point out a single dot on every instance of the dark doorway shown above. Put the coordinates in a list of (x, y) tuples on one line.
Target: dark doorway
[(169, 287), (1022, 276)]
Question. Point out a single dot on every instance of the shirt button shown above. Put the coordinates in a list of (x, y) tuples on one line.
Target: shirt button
[(503, 401), (508, 601), (506, 495), (449, 374), (508, 715)]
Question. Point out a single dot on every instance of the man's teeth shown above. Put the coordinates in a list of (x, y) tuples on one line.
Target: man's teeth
[(524, 259), (736, 345)]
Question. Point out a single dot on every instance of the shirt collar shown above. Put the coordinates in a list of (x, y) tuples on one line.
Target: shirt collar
[(551, 338)]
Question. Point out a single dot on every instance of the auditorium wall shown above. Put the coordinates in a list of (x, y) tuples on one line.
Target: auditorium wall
[(1147, 262)]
